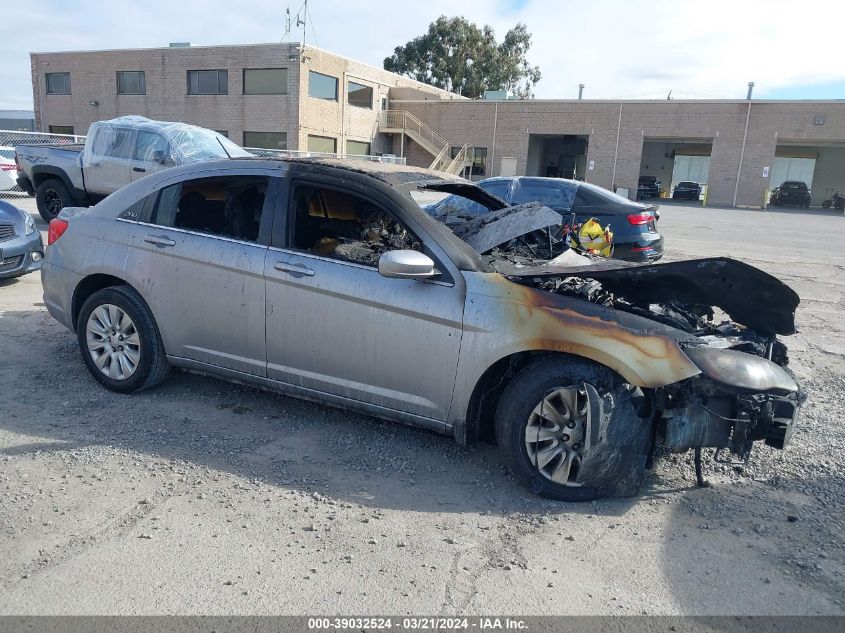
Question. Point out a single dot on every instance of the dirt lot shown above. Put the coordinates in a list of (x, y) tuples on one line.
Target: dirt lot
[(205, 497)]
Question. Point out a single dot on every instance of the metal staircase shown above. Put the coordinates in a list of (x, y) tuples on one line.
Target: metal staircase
[(403, 122)]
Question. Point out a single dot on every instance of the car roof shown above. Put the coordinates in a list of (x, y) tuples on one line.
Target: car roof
[(531, 178)]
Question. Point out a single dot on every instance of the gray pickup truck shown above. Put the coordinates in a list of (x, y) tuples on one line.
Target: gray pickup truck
[(115, 153)]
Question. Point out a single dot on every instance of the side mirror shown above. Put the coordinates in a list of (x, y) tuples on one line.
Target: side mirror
[(406, 265)]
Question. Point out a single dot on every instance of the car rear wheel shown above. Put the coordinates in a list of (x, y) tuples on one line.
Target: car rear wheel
[(541, 424), (120, 342), (51, 197)]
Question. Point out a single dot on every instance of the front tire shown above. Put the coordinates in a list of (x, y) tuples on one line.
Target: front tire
[(51, 197), (540, 425), (120, 342)]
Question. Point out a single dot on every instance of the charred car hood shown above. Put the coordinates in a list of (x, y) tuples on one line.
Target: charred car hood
[(497, 227), (748, 295)]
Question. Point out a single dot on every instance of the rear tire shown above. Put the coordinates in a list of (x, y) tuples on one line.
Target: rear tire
[(51, 197), (102, 340), (826, 204), (539, 383)]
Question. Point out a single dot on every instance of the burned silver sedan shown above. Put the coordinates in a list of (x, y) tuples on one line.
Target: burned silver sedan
[(323, 279)]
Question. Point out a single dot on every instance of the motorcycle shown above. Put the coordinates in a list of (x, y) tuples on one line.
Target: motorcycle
[(837, 201)]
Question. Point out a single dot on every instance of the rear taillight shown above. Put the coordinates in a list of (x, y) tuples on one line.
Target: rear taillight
[(640, 218), (56, 230), (8, 167)]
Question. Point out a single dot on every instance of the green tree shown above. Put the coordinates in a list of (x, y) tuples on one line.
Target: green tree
[(456, 55)]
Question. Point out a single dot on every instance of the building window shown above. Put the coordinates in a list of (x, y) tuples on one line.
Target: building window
[(322, 86), (208, 82), (357, 148), (359, 95), (223, 132), (131, 82), (265, 81), (266, 140), (58, 83), (61, 129), (322, 144)]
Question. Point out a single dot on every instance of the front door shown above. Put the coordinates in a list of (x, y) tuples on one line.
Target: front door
[(152, 153), (199, 263), (334, 325)]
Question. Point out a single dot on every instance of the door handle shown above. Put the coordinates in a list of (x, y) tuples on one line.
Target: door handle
[(159, 241), (141, 169), (294, 269)]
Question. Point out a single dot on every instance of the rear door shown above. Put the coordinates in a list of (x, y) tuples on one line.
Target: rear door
[(110, 161), (334, 325), (198, 261)]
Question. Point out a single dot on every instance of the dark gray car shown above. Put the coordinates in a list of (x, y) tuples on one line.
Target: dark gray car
[(323, 279), (21, 248)]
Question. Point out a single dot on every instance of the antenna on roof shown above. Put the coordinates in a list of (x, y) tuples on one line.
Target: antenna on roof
[(301, 21), (303, 18), (287, 24)]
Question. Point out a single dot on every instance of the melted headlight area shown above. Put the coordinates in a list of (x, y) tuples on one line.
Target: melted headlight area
[(701, 413)]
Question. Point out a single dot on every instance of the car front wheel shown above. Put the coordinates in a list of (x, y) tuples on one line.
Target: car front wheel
[(542, 422), (120, 342)]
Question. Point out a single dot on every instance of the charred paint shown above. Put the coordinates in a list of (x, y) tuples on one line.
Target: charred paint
[(645, 353)]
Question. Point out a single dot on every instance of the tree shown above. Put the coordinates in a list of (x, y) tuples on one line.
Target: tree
[(456, 55)]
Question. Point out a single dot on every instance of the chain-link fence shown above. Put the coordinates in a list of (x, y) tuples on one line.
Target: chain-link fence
[(9, 139)]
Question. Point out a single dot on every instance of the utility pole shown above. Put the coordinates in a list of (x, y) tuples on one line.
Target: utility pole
[(580, 91)]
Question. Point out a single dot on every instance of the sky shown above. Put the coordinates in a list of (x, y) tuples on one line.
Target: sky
[(618, 48)]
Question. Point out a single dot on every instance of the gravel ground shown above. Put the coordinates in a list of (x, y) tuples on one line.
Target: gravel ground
[(203, 497)]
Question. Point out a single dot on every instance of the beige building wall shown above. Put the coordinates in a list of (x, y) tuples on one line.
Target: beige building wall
[(342, 121), (616, 131), (94, 80)]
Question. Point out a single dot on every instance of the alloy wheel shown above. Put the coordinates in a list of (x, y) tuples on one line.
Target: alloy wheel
[(554, 435), (53, 201), (113, 341)]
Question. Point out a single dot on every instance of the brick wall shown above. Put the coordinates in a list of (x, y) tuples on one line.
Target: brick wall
[(94, 78), (721, 122)]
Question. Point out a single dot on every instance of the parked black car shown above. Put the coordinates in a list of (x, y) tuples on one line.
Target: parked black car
[(791, 193), (686, 190), (635, 236), (648, 187)]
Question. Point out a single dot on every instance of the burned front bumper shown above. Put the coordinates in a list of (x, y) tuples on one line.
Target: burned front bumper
[(738, 399)]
